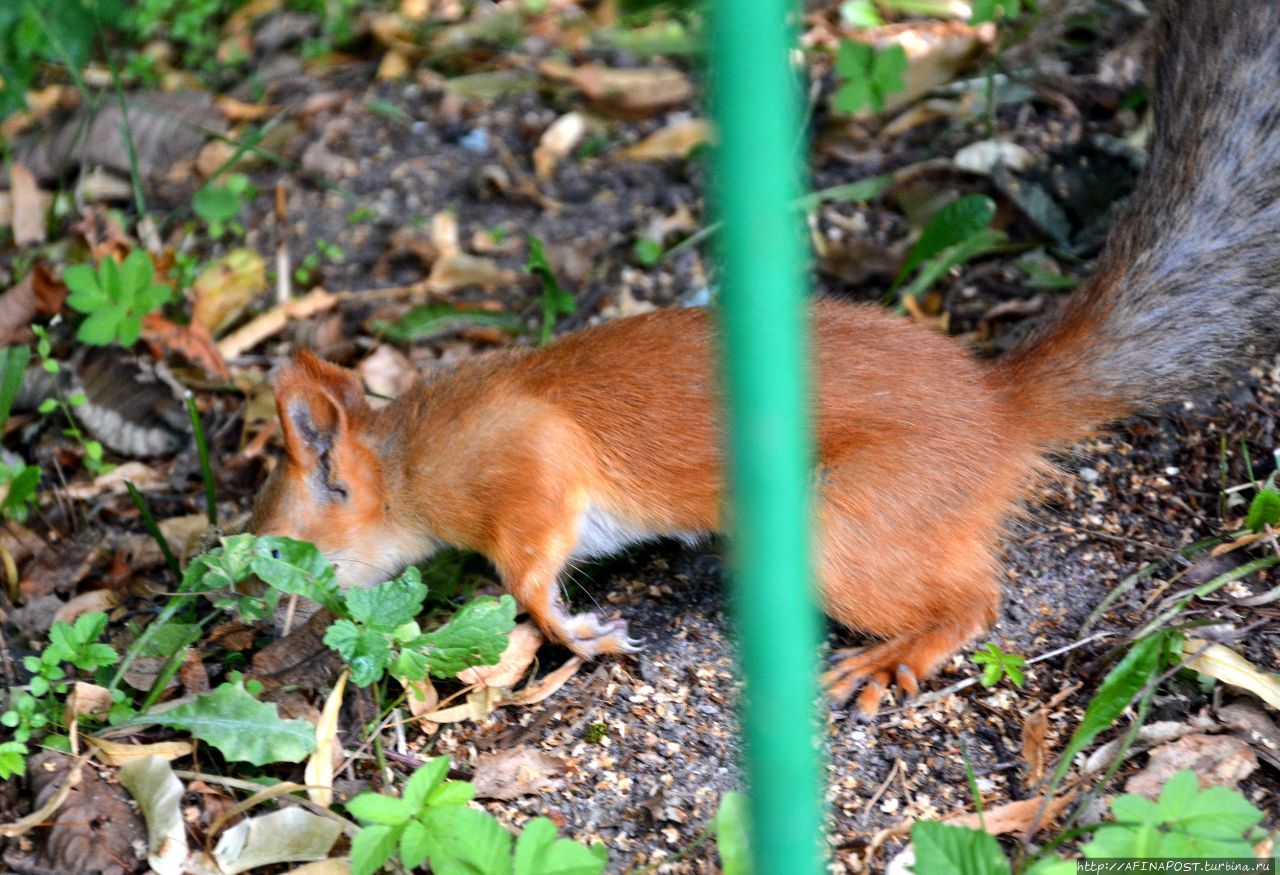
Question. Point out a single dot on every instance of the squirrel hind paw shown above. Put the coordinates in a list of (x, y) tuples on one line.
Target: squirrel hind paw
[(870, 672), (589, 636)]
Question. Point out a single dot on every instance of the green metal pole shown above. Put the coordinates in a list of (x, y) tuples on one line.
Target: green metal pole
[(764, 326)]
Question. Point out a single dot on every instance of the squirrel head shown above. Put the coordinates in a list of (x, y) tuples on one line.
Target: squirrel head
[(329, 489)]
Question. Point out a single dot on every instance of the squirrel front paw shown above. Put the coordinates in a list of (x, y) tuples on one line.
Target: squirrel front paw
[(589, 635)]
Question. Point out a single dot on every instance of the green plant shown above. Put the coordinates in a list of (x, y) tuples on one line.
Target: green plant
[(869, 75), (860, 13), (1264, 509), (35, 33), (33, 710), (305, 273), (218, 205), (431, 822), (596, 733), (92, 448), (555, 300), (992, 10), (732, 834), (114, 298), (957, 233), (647, 251), (997, 665)]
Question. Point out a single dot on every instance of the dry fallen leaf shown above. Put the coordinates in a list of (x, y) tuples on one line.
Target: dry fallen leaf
[(115, 753), (557, 142), (936, 52), (1217, 760), (387, 372), (634, 92), (456, 271), (1231, 668), (36, 294), (522, 644), (28, 207), (274, 321), (519, 771), (87, 603), (146, 478), (1014, 816), (158, 792), (224, 289), (320, 766), (676, 140), (87, 700), (1035, 744)]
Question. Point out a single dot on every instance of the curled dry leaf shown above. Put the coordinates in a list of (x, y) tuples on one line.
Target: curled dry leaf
[(274, 321), (87, 603), (459, 270), (193, 342), (145, 477), (1014, 816), (288, 835), (557, 142), (522, 644), (28, 207), (1217, 760), (328, 753), (87, 700), (36, 294), (1231, 668), (675, 141), (115, 753), (158, 792), (224, 289), (444, 234), (1035, 730), (387, 372), (635, 92), (238, 111), (423, 699), (518, 771)]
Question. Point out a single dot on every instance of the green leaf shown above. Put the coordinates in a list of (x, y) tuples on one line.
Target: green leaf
[(239, 726), (441, 318), (86, 295), (13, 759), (366, 652), (296, 567), (388, 605), (476, 635), (215, 203), (886, 74), (414, 844), (372, 847), (109, 280), (427, 777), (13, 365), (854, 59), (539, 852), (733, 833), (957, 850), (376, 808), (99, 329), (1264, 510), (647, 251), (957, 221), (860, 13), (1116, 691), (135, 273), (47, 406), (463, 841), (555, 300)]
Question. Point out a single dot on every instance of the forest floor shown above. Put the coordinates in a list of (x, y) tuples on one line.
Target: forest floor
[(405, 183)]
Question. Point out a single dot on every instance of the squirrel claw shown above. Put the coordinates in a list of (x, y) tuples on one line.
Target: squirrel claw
[(869, 672), (589, 636)]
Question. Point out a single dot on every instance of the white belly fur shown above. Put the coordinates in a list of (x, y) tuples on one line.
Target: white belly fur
[(602, 534)]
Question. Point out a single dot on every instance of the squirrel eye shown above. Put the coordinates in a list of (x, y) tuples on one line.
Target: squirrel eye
[(275, 554)]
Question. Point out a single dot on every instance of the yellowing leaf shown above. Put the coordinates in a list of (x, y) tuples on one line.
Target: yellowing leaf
[(225, 288), (676, 140), (1231, 668)]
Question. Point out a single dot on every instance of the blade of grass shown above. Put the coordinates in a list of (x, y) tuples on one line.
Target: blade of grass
[(206, 471), (154, 530)]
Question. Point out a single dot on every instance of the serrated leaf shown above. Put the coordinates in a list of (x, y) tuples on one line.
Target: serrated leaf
[(854, 59), (1264, 510), (539, 852), (414, 845), (476, 635), (296, 567), (372, 847), (13, 759), (376, 808), (427, 777), (886, 74), (366, 652), (98, 329), (239, 726), (82, 282), (463, 841), (388, 605), (942, 847), (957, 221), (135, 274)]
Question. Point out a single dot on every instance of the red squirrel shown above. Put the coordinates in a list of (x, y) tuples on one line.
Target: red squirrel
[(537, 458)]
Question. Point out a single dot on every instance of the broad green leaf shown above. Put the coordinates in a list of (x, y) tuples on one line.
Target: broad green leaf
[(86, 295), (372, 847), (296, 567), (1114, 694), (109, 280), (376, 808), (1264, 510), (886, 74), (366, 652), (463, 841), (215, 203), (854, 59), (476, 635), (957, 221), (427, 777), (135, 273), (733, 834), (539, 852), (956, 850), (98, 329), (13, 759), (239, 726), (414, 844), (388, 605), (13, 365)]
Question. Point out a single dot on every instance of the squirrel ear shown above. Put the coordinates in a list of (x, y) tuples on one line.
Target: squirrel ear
[(343, 385), (316, 402)]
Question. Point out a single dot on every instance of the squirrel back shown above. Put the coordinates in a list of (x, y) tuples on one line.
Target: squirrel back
[(1190, 274)]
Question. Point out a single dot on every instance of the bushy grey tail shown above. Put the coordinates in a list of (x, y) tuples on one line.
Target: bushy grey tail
[(1190, 277)]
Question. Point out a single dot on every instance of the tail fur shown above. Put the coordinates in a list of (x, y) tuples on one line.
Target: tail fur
[(1190, 276)]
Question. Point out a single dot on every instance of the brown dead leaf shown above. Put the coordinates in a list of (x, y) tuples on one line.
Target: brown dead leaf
[(936, 51), (37, 294), (635, 92), (115, 753), (393, 67), (192, 342), (274, 321), (87, 700), (1014, 816), (146, 477), (675, 141), (423, 697), (459, 270), (87, 603), (1217, 760), (522, 644), (238, 111), (557, 141), (520, 771), (1035, 730), (28, 207), (213, 157), (224, 289), (387, 372), (57, 571)]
